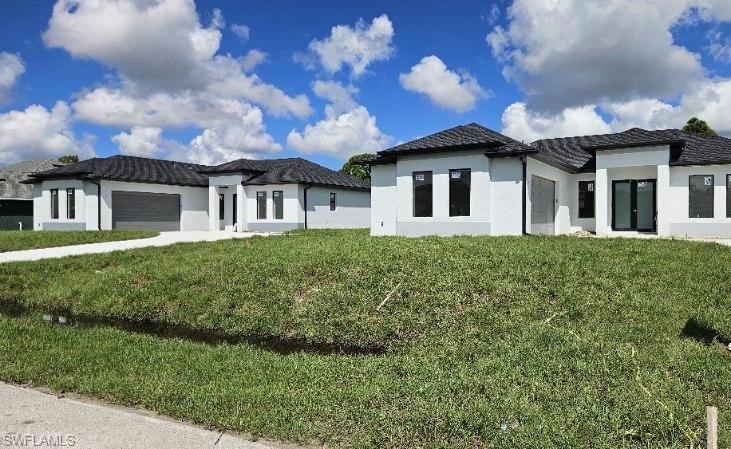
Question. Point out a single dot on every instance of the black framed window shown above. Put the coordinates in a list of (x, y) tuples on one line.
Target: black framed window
[(70, 203), (423, 193), (728, 196), (221, 206), (459, 192), (54, 203), (586, 199), (261, 205), (700, 196), (333, 200), (234, 207), (278, 197)]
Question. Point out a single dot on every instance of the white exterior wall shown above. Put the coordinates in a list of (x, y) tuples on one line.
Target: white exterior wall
[(193, 202), (563, 188), (679, 222), (42, 205), (352, 208), (580, 224), (383, 199), (292, 213), (506, 196)]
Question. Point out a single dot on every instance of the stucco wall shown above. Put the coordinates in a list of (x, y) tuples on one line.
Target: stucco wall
[(42, 206), (292, 208), (506, 193), (383, 199), (580, 224), (352, 208), (680, 222)]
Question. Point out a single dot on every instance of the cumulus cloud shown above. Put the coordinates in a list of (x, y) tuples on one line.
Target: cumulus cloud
[(11, 67), (37, 133), (347, 128), (356, 47), (719, 47), (582, 52), (252, 59), (445, 88), (242, 31)]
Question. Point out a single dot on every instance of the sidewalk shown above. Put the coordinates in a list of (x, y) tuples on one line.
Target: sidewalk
[(164, 239), (30, 418)]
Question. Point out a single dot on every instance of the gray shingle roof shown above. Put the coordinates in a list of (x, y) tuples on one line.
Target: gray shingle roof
[(287, 171), (472, 135), (577, 154), (12, 176), (131, 169), (138, 169)]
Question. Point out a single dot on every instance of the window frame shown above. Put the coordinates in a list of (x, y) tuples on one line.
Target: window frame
[(453, 212), (234, 208), (333, 201), (278, 211), (581, 213), (221, 206), (728, 196), (261, 194), (54, 204), (70, 203), (690, 196), (428, 212)]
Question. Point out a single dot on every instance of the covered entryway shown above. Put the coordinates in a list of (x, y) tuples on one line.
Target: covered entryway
[(543, 208), (146, 211), (634, 205)]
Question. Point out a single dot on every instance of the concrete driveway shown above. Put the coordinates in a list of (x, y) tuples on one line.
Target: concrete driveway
[(30, 418), (164, 239)]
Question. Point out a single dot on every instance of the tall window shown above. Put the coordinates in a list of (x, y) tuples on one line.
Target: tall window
[(278, 198), (459, 192), (261, 205), (422, 193), (234, 208), (586, 199), (728, 196), (333, 200), (70, 203), (700, 196), (221, 206), (54, 203)]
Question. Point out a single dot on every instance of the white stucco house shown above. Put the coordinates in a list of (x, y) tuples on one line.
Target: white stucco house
[(472, 180), (125, 192)]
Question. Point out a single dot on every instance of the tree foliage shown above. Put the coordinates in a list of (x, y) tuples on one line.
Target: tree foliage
[(354, 168), (700, 127), (69, 159)]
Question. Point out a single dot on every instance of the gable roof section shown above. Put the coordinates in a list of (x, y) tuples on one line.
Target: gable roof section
[(131, 169), (463, 137), (577, 154), (288, 171), (13, 176)]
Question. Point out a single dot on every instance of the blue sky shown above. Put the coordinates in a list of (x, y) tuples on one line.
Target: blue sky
[(528, 68)]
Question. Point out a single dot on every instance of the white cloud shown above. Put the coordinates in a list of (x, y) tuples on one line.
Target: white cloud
[(242, 31), (582, 52), (719, 47), (356, 47), (347, 129), (521, 123), (444, 87), (252, 59), (11, 67), (36, 133), (144, 142)]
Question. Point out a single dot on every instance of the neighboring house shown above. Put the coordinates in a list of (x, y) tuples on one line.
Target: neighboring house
[(471, 180), (125, 192), (16, 198)]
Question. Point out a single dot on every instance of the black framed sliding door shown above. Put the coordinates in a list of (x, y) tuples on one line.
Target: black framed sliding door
[(634, 205)]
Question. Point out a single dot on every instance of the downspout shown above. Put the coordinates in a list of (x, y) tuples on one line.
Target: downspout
[(305, 199), (98, 205), (524, 162)]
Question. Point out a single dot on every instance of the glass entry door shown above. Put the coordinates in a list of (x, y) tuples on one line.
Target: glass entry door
[(633, 205)]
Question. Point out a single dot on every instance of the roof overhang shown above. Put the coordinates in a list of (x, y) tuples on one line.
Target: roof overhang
[(429, 150), (648, 143)]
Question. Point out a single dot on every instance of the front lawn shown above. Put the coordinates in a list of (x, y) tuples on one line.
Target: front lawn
[(20, 240), (489, 342)]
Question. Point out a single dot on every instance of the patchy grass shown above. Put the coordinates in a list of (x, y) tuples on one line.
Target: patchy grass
[(20, 240), (563, 342)]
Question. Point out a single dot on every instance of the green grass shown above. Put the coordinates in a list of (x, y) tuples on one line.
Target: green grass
[(578, 341), (20, 240)]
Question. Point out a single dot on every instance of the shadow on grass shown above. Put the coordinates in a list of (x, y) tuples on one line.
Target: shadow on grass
[(213, 337), (702, 333)]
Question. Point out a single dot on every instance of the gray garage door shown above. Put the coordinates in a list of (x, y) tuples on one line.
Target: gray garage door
[(141, 210), (542, 212)]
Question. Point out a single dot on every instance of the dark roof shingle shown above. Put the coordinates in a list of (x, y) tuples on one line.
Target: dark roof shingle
[(13, 176)]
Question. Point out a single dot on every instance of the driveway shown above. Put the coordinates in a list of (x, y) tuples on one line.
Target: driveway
[(30, 418), (164, 239)]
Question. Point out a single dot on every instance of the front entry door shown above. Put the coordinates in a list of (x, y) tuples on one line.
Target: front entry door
[(633, 205)]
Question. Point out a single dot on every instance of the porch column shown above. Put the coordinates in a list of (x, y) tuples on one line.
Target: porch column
[(601, 196), (213, 221), (663, 199), (241, 208)]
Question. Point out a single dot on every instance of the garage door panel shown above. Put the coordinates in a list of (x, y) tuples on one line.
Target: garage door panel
[(543, 196), (143, 210)]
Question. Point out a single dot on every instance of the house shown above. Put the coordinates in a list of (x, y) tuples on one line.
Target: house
[(16, 198), (472, 180), (126, 192)]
